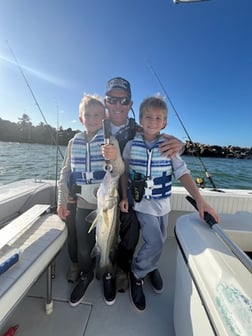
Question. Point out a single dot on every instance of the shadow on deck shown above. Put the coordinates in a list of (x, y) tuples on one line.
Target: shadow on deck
[(93, 316)]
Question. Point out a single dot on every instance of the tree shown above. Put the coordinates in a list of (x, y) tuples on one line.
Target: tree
[(25, 127), (24, 120)]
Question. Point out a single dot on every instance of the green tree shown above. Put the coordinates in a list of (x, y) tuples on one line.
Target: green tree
[(24, 120), (25, 125)]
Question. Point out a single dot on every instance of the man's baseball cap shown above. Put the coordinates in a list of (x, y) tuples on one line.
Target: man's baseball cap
[(118, 83)]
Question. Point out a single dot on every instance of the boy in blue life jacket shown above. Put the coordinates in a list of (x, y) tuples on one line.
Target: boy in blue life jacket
[(83, 166), (148, 177)]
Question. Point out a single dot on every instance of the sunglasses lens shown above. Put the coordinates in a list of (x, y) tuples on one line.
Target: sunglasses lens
[(115, 100), (125, 101), (112, 100)]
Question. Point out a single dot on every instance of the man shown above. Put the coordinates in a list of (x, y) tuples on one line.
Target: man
[(118, 101)]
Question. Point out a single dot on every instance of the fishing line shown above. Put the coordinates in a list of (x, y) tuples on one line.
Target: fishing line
[(182, 124), (34, 98)]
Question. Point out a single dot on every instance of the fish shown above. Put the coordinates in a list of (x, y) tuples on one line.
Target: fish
[(106, 221)]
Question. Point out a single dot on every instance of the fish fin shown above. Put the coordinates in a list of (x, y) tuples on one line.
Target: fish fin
[(95, 251), (93, 225), (92, 219)]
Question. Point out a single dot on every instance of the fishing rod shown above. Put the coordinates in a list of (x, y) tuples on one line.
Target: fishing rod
[(187, 1), (35, 100), (182, 124)]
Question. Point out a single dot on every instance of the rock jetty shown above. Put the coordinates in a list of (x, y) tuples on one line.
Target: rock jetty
[(230, 152)]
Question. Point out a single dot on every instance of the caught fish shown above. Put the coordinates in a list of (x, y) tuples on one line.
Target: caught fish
[(105, 219)]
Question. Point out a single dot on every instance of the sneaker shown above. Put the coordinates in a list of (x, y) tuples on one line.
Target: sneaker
[(80, 289), (156, 281), (136, 292), (73, 273), (122, 281), (109, 289)]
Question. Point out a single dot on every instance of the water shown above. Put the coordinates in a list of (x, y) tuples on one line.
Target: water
[(28, 161), (25, 161)]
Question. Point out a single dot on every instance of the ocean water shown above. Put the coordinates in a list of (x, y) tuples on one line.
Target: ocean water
[(25, 161)]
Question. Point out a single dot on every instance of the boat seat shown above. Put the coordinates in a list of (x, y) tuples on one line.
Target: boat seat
[(238, 227), (213, 287), (19, 196), (40, 241)]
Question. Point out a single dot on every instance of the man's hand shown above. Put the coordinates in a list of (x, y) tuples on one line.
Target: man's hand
[(124, 205), (171, 146)]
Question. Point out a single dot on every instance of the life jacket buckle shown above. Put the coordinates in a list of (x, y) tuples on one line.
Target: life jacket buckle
[(149, 183), (88, 176)]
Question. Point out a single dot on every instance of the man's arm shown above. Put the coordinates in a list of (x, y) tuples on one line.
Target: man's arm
[(171, 146)]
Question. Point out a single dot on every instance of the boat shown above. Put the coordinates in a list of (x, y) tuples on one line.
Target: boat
[(207, 280)]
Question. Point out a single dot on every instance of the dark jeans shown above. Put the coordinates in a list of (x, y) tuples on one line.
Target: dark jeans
[(129, 235), (85, 241), (79, 242), (72, 236)]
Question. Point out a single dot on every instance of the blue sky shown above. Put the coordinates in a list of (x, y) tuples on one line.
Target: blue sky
[(202, 53)]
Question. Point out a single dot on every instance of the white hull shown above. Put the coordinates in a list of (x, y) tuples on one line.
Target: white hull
[(213, 288), (163, 315)]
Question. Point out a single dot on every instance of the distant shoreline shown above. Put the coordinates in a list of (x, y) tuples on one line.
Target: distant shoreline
[(195, 149), (24, 132), (228, 152)]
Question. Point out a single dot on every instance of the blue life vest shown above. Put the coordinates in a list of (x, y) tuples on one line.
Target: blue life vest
[(87, 162), (152, 167)]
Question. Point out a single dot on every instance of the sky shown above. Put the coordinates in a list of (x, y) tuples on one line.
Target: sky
[(201, 53)]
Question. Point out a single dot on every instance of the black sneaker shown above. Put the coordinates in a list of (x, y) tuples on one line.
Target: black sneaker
[(109, 289), (136, 292), (156, 281), (80, 289)]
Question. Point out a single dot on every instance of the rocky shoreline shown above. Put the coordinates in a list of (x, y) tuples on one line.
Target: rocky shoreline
[(230, 152)]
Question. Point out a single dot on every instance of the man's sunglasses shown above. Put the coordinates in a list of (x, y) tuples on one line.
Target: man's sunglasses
[(115, 100)]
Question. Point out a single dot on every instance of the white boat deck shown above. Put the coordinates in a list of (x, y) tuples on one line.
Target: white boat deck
[(93, 316)]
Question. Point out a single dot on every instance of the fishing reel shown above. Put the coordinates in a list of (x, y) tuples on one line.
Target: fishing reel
[(200, 182)]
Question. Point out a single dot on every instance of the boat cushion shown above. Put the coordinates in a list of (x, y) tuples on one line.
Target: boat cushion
[(39, 245)]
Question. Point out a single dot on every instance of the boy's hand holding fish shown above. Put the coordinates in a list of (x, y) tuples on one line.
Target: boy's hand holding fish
[(109, 152)]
